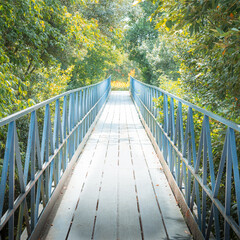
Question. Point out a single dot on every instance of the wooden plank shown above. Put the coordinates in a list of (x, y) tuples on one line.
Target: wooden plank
[(152, 223), (82, 225), (106, 215), (175, 224), (124, 150), (128, 223), (128, 220), (106, 220), (173, 219)]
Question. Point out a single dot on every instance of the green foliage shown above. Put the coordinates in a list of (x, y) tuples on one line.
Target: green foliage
[(140, 38), (95, 64), (204, 37), (107, 51), (124, 67), (163, 61), (48, 46), (148, 48)]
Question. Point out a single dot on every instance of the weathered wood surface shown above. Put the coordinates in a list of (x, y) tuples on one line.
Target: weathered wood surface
[(118, 189)]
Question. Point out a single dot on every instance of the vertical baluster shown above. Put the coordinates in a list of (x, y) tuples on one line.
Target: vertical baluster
[(88, 107), (11, 177), (95, 101), (156, 115), (79, 118), (71, 120), (150, 109), (228, 188), (146, 115), (64, 132), (56, 137), (183, 172), (51, 153), (56, 143), (190, 143), (23, 209), (161, 138), (40, 186), (69, 126), (76, 122), (45, 147), (217, 187), (211, 169), (204, 178), (7, 156), (177, 140), (200, 147), (149, 104), (73, 124), (172, 134), (32, 161), (84, 111), (165, 126), (235, 164)]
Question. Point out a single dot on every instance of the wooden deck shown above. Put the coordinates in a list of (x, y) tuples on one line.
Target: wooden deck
[(117, 189)]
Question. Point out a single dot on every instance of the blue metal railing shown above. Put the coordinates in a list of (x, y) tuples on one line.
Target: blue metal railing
[(209, 185), (39, 169)]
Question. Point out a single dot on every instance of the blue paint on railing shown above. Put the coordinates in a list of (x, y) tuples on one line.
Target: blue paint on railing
[(44, 163), (193, 171)]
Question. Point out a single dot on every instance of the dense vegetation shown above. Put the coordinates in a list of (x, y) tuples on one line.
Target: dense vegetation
[(191, 48), (49, 46)]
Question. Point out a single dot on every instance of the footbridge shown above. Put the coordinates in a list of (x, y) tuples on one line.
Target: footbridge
[(96, 164)]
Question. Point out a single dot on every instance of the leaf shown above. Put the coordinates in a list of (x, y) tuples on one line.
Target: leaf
[(169, 23), (136, 2), (220, 30), (235, 29), (191, 30), (196, 27), (158, 25)]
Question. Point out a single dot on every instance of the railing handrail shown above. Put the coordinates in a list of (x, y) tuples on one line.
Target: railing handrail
[(47, 159), (194, 174), (28, 110), (229, 123)]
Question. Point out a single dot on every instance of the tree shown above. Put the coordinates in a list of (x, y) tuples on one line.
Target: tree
[(140, 38), (205, 38)]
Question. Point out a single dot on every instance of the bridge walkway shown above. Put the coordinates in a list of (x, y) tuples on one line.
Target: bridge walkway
[(117, 189)]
